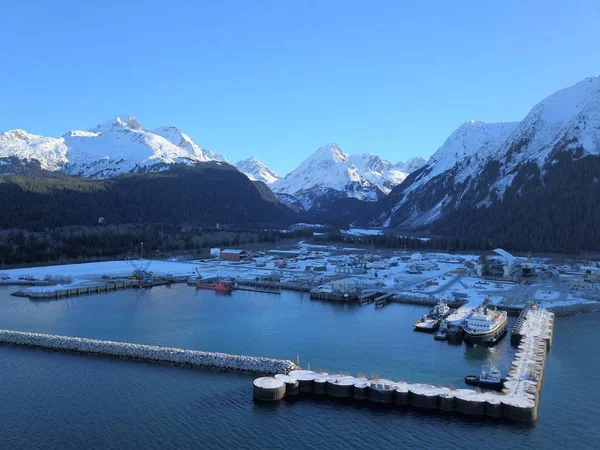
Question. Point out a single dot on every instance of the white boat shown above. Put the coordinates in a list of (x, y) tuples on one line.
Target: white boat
[(440, 310), (490, 376), (427, 323), (485, 326)]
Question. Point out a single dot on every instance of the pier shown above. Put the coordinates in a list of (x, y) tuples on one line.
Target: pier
[(518, 400), (148, 353), (56, 292)]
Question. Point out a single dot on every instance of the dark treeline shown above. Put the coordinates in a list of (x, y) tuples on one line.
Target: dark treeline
[(447, 244), (81, 243)]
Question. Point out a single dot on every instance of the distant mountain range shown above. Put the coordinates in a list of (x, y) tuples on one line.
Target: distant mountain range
[(122, 146), (533, 184)]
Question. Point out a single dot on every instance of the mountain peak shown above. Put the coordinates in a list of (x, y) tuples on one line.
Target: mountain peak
[(18, 134), (332, 150), (256, 170), (119, 122)]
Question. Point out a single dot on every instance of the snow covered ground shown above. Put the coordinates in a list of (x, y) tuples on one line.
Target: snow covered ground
[(388, 272)]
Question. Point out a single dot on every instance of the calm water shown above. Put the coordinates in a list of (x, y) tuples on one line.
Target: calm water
[(67, 401)]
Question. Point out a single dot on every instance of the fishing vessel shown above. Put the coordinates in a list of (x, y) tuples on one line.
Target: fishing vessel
[(486, 326), (490, 377), (217, 286)]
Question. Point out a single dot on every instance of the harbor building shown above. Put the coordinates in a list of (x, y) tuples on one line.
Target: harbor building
[(497, 263), (230, 254)]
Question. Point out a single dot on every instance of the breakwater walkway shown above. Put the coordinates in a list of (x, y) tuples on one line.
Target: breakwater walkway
[(518, 401), (148, 353)]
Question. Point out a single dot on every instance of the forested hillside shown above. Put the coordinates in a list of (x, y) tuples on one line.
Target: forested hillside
[(205, 194)]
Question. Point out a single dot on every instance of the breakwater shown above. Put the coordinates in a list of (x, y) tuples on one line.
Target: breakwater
[(148, 353), (518, 400)]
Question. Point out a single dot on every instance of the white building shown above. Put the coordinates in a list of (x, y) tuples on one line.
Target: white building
[(497, 263), (591, 274)]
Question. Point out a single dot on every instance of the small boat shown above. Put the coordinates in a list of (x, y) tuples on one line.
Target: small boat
[(217, 286), (489, 377), (426, 323), (431, 321), (442, 333)]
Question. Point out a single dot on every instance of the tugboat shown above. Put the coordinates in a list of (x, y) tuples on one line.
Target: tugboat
[(218, 286), (489, 377), (486, 326), (431, 321), (442, 333)]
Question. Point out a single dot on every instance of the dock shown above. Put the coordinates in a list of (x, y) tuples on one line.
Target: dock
[(517, 402), (56, 292)]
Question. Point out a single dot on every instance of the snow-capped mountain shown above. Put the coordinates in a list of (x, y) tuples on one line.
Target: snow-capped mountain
[(329, 172), (175, 136), (256, 170), (479, 162), (411, 165), (118, 146), (50, 152)]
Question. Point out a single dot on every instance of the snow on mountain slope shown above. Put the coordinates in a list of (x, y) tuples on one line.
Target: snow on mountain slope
[(50, 152), (411, 165), (256, 170), (377, 171), (479, 161), (177, 137), (118, 146), (121, 146), (327, 171)]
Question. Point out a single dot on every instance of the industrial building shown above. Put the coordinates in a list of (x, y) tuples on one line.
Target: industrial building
[(497, 263), (591, 274), (230, 254), (284, 253)]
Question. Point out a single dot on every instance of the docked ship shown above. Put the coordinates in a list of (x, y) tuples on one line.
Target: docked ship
[(431, 321), (218, 286), (486, 326), (489, 377)]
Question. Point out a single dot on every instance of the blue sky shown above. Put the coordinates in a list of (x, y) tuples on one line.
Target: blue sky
[(278, 79)]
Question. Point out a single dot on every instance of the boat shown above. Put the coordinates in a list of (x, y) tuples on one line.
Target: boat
[(442, 333), (431, 321), (486, 326), (440, 310), (489, 377), (426, 323), (217, 286)]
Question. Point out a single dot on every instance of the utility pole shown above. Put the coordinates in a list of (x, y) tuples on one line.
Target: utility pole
[(141, 251)]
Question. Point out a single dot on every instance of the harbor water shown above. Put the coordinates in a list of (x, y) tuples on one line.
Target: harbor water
[(54, 400)]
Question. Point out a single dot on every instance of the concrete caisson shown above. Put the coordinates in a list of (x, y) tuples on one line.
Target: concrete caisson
[(401, 394), (469, 402), (519, 409), (446, 400), (292, 387), (381, 391), (305, 378), (320, 385), (340, 387), (360, 391), (493, 406), (268, 389), (424, 396)]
